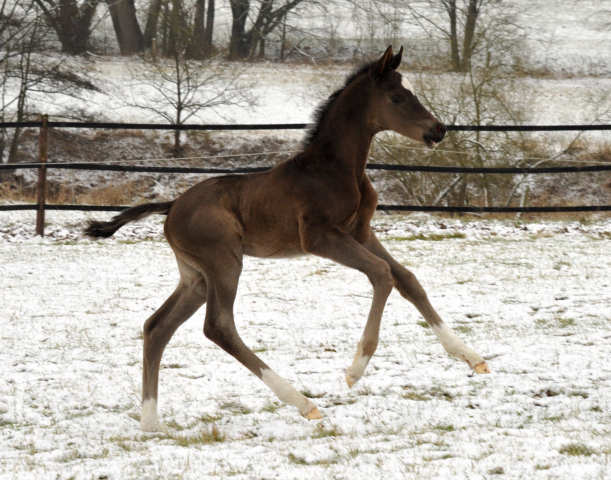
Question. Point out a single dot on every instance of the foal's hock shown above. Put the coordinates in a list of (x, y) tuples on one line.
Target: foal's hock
[(319, 202)]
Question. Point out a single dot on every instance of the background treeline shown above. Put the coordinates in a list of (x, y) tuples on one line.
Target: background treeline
[(471, 62)]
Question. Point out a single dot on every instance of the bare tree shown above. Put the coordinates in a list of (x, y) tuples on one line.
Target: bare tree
[(168, 19), (29, 72), (264, 18), (179, 89), (464, 25), (72, 22)]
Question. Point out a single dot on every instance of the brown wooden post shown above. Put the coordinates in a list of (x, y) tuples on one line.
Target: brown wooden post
[(41, 189)]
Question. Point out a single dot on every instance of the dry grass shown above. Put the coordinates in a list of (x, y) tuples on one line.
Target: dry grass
[(126, 193)]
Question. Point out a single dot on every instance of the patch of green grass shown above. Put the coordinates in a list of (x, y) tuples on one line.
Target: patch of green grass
[(236, 408), (297, 460), (309, 394), (424, 324), (554, 419), (463, 328), (321, 431), (444, 428), (125, 445), (434, 237), (539, 466), (559, 265), (442, 457), (271, 407), (438, 392), (578, 394), (577, 449), (497, 471), (565, 322), (410, 394), (171, 365), (208, 436)]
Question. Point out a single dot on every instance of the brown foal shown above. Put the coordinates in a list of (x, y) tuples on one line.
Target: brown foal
[(319, 202)]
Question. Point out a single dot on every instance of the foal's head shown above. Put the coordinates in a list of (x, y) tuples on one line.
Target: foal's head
[(395, 107)]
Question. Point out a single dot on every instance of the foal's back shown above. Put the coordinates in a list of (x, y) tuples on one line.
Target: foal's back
[(261, 212)]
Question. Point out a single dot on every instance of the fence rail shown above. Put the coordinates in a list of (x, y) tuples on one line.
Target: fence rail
[(370, 166), (292, 126), (44, 124)]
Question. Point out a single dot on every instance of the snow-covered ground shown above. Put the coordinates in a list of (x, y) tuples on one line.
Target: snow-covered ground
[(532, 297)]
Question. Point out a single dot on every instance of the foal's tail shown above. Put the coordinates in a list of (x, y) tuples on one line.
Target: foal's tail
[(97, 229)]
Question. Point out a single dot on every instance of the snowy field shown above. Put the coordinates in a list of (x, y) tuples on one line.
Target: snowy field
[(532, 297)]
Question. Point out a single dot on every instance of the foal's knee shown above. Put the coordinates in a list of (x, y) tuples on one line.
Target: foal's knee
[(382, 278)]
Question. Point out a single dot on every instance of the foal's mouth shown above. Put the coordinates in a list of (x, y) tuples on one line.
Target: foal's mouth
[(429, 142)]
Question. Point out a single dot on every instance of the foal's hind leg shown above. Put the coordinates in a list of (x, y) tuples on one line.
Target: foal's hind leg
[(408, 285), (222, 278), (158, 330)]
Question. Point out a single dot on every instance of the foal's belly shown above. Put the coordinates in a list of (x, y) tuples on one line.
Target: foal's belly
[(271, 251)]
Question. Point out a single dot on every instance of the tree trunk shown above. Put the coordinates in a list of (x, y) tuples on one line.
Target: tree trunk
[(178, 34), (239, 45), (127, 29), (470, 24), (208, 47), (12, 153), (455, 55), (196, 48), (71, 23), (283, 43), (152, 20)]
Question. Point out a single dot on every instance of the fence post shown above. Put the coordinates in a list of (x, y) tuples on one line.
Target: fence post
[(41, 188)]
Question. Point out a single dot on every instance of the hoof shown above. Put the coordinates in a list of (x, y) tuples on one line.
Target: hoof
[(481, 368), (351, 380), (313, 414)]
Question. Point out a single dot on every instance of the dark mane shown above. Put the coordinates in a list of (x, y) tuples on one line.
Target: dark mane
[(323, 109)]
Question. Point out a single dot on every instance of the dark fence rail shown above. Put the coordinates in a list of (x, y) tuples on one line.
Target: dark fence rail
[(292, 126), (370, 166), (44, 125)]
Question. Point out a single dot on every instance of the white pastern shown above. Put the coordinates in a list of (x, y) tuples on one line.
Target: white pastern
[(149, 421), (406, 84), (355, 371), (286, 392), (454, 345)]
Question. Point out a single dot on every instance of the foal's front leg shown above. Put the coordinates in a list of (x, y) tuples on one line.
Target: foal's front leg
[(408, 285), (336, 245)]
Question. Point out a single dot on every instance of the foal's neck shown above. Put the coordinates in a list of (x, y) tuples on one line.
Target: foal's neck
[(344, 139)]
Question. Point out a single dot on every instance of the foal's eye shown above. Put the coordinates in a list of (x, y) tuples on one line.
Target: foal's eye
[(397, 98)]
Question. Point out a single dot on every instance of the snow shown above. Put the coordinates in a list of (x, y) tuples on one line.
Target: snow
[(531, 296)]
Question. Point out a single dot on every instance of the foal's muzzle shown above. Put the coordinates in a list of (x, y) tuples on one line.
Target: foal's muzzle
[(435, 135)]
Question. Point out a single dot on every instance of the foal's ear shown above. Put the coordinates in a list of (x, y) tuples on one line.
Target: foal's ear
[(396, 61), (383, 64)]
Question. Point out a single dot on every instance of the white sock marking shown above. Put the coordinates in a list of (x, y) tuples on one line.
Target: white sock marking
[(406, 84), (358, 366), (454, 345), (285, 391), (149, 421)]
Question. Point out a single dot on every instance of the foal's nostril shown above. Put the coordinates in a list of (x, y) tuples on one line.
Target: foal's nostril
[(441, 130)]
